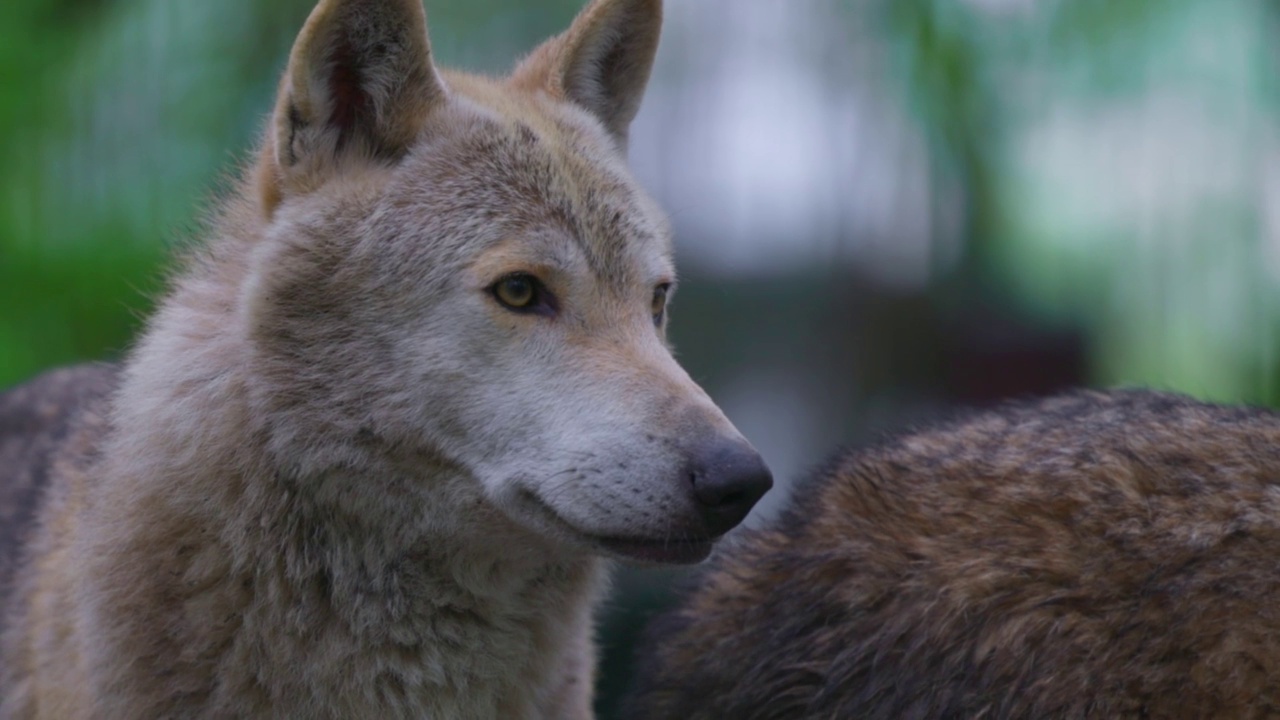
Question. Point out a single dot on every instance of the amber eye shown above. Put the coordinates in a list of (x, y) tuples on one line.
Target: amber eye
[(524, 293), (516, 291), (659, 306)]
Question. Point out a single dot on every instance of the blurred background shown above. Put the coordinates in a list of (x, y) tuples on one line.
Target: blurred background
[(884, 208)]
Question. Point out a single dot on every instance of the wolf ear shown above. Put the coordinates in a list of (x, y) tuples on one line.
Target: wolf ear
[(602, 62), (360, 81)]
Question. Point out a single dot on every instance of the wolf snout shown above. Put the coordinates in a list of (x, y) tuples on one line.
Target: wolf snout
[(728, 477)]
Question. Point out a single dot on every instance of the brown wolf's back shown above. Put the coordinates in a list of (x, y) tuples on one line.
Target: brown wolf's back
[(36, 421), (1093, 555)]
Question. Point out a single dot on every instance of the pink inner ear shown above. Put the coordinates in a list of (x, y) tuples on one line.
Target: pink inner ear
[(350, 104)]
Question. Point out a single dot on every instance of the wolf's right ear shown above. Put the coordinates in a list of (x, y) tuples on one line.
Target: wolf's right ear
[(602, 62), (360, 83)]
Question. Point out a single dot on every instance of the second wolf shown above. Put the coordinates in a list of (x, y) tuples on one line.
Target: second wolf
[(1097, 555)]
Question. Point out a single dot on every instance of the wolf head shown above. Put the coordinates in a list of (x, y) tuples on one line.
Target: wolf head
[(463, 269)]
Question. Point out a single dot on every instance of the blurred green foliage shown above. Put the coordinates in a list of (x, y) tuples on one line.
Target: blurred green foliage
[(1118, 163)]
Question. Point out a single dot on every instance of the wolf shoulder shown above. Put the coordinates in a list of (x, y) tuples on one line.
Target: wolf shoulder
[(50, 427)]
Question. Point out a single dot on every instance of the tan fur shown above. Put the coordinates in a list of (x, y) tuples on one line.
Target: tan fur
[(338, 478)]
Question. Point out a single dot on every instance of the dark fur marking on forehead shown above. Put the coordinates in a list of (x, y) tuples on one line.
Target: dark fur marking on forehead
[(608, 207), (609, 232), (527, 134)]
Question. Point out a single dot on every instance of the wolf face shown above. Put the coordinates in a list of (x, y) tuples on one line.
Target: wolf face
[(463, 269)]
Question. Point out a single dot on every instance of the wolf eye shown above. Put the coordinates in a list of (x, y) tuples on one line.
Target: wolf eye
[(659, 303), (521, 292), (516, 292)]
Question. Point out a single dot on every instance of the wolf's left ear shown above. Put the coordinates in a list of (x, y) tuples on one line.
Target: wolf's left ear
[(602, 62), (360, 82)]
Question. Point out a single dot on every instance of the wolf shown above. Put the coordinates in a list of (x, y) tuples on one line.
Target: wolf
[(380, 442), (1092, 555)]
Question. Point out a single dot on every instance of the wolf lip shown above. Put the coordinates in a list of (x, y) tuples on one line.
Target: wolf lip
[(666, 552)]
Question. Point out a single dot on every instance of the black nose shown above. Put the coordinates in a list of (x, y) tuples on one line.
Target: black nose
[(728, 478)]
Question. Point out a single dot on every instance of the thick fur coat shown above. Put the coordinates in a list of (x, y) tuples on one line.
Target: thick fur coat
[(1097, 555), (370, 452)]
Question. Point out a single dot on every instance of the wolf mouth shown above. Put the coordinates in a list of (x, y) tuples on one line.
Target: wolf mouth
[(670, 550)]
